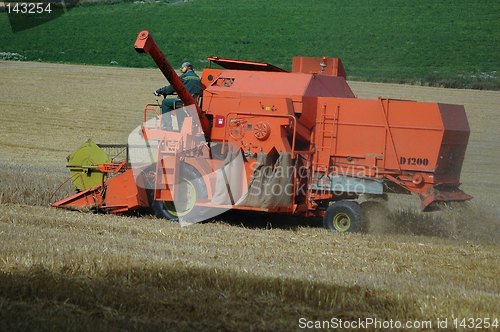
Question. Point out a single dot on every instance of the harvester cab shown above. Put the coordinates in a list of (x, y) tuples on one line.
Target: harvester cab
[(298, 143)]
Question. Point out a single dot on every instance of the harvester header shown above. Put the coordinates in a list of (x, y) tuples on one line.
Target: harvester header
[(298, 143)]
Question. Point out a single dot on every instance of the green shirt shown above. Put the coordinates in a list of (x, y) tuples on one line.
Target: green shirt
[(190, 80)]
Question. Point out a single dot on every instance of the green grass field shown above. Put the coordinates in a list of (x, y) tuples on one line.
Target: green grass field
[(451, 43)]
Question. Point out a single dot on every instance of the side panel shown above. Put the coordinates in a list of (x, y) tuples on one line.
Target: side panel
[(417, 132), (455, 140), (390, 134), (123, 191)]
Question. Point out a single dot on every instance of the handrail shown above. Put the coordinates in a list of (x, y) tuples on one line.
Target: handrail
[(151, 109), (388, 131)]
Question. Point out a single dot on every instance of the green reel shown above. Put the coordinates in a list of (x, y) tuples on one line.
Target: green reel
[(82, 164)]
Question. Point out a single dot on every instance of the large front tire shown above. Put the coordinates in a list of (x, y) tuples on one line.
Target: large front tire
[(343, 217), (191, 189)]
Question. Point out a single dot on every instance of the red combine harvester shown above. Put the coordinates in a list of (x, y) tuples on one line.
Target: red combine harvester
[(264, 139)]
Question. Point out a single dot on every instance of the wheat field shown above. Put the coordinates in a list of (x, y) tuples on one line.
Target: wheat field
[(76, 271)]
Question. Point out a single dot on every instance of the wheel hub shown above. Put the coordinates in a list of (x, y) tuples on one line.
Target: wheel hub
[(341, 222)]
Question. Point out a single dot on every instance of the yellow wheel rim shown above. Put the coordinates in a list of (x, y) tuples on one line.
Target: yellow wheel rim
[(341, 222), (186, 199)]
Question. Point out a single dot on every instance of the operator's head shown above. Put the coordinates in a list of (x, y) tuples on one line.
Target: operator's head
[(186, 66)]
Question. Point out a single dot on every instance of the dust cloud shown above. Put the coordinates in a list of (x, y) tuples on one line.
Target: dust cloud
[(461, 221)]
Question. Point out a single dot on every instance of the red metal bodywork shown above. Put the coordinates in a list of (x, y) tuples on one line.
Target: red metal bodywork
[(313, 114), (122, 194)]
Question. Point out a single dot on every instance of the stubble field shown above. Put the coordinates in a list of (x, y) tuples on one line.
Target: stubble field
[(64, 270)]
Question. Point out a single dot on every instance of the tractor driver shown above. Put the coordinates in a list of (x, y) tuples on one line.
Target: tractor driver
[(192, 83)]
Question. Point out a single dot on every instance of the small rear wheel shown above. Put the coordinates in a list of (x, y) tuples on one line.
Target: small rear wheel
[(343, 216)]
